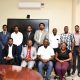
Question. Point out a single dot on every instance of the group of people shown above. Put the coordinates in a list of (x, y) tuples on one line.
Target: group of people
[(41, 49)]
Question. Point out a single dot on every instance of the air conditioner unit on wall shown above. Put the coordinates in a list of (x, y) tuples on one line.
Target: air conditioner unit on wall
[(30, 5)]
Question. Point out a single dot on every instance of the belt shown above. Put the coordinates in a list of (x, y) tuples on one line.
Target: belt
[(76, 46)]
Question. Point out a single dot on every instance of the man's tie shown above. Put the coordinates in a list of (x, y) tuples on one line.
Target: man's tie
[(28, 34)]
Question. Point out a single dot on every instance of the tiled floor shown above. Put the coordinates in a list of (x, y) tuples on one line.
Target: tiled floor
[(72, 77)]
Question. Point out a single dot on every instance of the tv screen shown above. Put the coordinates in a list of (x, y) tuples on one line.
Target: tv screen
[(23, 23)]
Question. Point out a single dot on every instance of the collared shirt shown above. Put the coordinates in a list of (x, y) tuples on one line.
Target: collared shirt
[(17, 38), (68, 38), (45, 53), (54, 40), (77, 39), (10, 51), (4, 32), (40, 34)]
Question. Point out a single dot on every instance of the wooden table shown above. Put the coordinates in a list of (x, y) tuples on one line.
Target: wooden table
[(9, 72)]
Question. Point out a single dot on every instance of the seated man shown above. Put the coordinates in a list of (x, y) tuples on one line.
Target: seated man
[(45, 55), (9, 53), (28, 55)]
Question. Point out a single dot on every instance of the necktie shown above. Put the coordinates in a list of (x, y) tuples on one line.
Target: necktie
[(28, 34)]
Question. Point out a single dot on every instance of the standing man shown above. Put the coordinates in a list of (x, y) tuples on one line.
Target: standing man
[(17, 40), (29, 34), (79, 62), (45, 55), (76, 51), (40, 35), (69, 39), (4, 35), (54, 40)]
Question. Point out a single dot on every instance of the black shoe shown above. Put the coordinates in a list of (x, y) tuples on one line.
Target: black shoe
[(78, 74), (56, 77), (68, 74), (73, 73)]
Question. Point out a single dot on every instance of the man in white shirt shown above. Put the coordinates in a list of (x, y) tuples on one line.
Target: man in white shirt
[(54, 40), (17, 36), (45, 55), (10, 53), (17, 40)]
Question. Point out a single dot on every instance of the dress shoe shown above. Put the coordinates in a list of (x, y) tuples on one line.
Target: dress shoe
[(73, 73), (68, 74), (78, 74)]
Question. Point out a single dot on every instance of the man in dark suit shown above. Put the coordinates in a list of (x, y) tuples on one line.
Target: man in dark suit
[(29, 34), (4, 35), (10, 53)]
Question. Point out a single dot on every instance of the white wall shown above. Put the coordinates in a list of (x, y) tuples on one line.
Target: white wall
[(59, 13), (77, 16), (75, 13)]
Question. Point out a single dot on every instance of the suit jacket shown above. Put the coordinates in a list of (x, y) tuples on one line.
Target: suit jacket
[(14, 51), (26, 37), (37, 35), (1, 54), (4, 38), (33, 52)]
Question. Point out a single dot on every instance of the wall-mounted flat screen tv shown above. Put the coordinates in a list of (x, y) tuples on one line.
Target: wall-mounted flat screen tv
[(23, 23)]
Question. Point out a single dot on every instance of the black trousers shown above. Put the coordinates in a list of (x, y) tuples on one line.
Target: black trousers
[(78, 64), (76, 57), (8, 62), (54, 62), (69, 68)]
